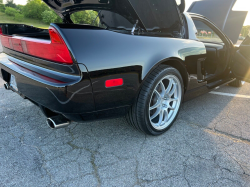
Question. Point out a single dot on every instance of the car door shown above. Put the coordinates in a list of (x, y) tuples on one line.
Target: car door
[(220, 12), (241, 61), (217, 48)]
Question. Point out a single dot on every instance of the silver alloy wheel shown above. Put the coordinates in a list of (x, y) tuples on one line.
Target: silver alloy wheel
[(165, 102)]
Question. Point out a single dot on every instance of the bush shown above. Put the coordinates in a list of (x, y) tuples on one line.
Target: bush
[(84, 17), (19, 17), (49, 17), (2, 8), (10, 11), (34, 9), (19, 8)]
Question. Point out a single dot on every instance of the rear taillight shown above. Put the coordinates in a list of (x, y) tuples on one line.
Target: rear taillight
[(54, 50)]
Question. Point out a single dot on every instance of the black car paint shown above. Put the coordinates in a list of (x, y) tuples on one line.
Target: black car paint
[(126, 56), (100, 55)]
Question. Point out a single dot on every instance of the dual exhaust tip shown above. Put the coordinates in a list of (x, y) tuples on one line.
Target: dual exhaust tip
[(57, 122)]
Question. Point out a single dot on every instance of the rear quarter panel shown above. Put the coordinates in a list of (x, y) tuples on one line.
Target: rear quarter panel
[(110, 55)]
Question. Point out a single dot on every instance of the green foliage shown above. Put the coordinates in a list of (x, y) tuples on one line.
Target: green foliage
[(19, 8), (28, 21), (10, 11), (34, 9), (245, 31), (19, 17), (10, 3), (85, 17), (2, 8), (49, 16), (1, 1)]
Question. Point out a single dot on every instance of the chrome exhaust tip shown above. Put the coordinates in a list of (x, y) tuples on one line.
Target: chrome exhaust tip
[(7, 86), (57, 122)]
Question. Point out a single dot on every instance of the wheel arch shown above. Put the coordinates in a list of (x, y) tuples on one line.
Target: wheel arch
[(175, 63), (179, 65)]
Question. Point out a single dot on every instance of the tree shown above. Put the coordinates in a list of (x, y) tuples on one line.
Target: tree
[(84, 17), (34, 9), (50, 17), (10, 3), (2, 8), (1, 1), (20, 8)]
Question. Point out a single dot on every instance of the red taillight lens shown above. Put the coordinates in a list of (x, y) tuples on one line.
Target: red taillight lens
[(54, 36), (5, 41), (1, 31), (54, 50), (113, 83)]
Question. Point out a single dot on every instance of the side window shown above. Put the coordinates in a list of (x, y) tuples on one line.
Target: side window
[(205, 33)]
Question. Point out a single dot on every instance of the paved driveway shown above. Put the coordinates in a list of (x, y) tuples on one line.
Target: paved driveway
[(209, 145)]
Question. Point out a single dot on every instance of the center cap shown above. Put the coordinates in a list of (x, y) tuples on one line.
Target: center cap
[(164, 103)]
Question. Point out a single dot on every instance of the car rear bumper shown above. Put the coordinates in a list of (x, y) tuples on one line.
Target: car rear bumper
[(59, 92)]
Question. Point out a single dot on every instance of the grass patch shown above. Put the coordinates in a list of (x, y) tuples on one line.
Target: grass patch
[(27, 21)]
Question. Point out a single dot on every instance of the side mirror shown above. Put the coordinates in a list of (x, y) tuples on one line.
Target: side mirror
[(182, 6)]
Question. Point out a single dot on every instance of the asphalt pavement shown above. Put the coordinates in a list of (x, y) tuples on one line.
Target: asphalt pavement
[(209, 145)]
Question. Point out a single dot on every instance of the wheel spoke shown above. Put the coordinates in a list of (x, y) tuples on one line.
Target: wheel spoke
[(162, 89), (156, 113), (173, 90), (158, 94), (157, 104), (161, 117), (166, 116), (171, 108), (172, 99), (169, 86)]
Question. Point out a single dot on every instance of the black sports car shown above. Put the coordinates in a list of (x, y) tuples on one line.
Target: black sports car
[(142, 59)]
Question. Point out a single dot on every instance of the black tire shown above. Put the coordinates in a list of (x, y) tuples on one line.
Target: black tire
[(236, 83), (138, 116)]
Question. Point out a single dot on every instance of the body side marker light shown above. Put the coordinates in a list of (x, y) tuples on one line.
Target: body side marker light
[(114, 83)]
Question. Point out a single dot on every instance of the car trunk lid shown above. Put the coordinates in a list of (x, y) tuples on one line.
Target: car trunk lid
[(66, 7), (151, 14)]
